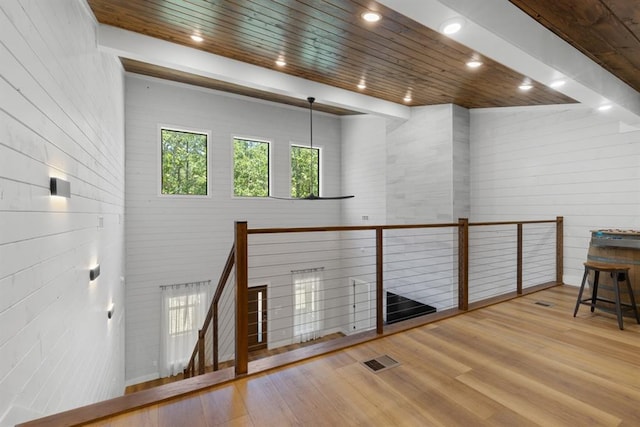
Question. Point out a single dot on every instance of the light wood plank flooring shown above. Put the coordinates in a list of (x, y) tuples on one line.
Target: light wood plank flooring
[(511, 364), (254, 355)]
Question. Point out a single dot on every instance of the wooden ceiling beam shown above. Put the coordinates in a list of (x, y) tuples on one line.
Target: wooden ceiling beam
[(507, 35), (127, 44)]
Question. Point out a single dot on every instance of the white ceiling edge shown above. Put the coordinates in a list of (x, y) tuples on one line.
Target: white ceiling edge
[(499, 30), (158, 52)]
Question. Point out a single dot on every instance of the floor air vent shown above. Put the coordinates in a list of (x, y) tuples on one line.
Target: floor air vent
[(544, 303), (380, 363)]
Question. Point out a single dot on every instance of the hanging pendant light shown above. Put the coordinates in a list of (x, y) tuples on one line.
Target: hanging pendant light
[(311, 195)]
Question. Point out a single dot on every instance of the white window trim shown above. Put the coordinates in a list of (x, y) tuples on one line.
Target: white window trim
[(257, 139), (159, 160)]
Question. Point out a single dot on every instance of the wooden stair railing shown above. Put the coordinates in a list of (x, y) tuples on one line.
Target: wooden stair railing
[(196, 365), (238, 260)]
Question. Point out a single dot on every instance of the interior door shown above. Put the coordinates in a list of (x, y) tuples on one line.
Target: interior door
[(257, 318)]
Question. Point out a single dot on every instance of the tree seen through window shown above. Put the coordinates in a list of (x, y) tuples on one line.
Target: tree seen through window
[(184, 162), (250, 168), (305, 171)]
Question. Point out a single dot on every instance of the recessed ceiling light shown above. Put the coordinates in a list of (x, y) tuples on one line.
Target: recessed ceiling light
[(362, 85), (474, 63), (196, 38), (280, 62), (557, 83), (407, 98), (452, 26), (371, 16), (605, 107), (525, 86)]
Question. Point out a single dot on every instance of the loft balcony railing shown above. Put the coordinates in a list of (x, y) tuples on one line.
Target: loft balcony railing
[(282, 288)]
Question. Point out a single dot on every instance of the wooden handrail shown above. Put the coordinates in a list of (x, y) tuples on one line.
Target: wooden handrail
[(538, 221), (243, 231), (102, 410), (386, 227), (345, 228), (212, 314)]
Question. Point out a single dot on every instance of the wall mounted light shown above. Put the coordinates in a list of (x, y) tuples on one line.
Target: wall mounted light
[(59, 187), (94, 273), (110, 311)]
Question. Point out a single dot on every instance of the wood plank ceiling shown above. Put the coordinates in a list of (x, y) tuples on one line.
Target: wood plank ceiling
[(326, 41), (607, 31)]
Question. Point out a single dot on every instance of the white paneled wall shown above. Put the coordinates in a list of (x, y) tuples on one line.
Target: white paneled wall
[(61, 114), (541, 162), (177, 239), (364, 160), (461, 160), (426, 166)]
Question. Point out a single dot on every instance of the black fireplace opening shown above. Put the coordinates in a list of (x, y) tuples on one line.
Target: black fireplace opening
[(400, 308)]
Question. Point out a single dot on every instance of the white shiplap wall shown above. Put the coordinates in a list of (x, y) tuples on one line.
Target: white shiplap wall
[(364, 159), (61, 114), (541, 162), (176, 240), (426, 164)]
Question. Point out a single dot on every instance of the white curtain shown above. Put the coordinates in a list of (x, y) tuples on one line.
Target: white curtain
[(308, 305), (184, 308)]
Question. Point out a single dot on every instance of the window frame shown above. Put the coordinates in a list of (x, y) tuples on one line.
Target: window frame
[(185, 129), (269, 143), (320, 168)]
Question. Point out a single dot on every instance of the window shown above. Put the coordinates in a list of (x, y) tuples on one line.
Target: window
[(305, 171), (250, 168), (308, 305), (184, 308), (184, 162), (182, 313)]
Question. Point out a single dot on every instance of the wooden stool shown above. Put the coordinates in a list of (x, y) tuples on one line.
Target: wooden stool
[(616, 271)]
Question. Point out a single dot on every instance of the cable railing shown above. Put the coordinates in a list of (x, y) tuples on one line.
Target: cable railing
[(206, 353), (284, 288)]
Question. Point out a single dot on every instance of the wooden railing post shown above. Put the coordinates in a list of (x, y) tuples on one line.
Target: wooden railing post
[(379, 282), (201, 357), (519, 261), (214, 333), (242, 295), (463, 263), (559, 249)]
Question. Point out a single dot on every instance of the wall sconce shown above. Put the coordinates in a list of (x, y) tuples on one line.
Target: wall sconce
[(94, 273), (110, 311), (59, 187)]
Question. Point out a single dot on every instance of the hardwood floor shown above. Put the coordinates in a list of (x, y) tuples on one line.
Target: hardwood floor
[(254, 355), (516, 363)]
